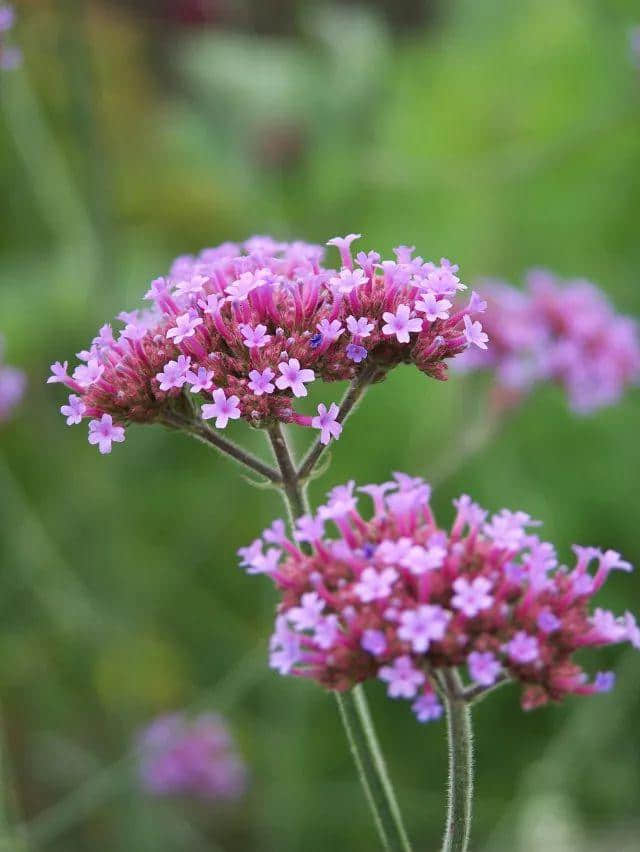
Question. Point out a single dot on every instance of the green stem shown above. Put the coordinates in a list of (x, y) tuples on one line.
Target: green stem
[(353, 707), (458, 828)]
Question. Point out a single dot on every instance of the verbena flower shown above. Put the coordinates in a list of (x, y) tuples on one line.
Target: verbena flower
[(10, 56), (248, 329), (563, 331), (190, 757), (12, 386), (397, 598)]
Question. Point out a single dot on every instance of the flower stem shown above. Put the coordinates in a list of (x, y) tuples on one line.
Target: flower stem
[(202, 432), (458, 828), (353, 707)]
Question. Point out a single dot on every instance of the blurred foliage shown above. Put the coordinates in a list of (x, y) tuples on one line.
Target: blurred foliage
[(501, 135)]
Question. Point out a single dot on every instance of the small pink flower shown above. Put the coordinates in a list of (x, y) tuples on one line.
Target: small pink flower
[(222, 408), (474, 333), (185, 327), (327, 423), (255, 338), (261, 381), (400, 323), (74, 410), (294, 377), (102, 432)]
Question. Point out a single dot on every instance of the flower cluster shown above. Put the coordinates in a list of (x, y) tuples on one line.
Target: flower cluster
[(12, 385), (397, 598), (566, 332), (248, 329), (181, 756), (10, 57), (634, 45)]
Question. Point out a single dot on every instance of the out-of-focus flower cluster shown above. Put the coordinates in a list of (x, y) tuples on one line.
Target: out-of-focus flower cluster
[(10, 56), (248, 328), (397, 598), (564, 331), (634, 45), (190, 757), (12, 385)]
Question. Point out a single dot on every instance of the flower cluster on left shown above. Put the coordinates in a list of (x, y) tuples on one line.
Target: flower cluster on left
[(248, 327)]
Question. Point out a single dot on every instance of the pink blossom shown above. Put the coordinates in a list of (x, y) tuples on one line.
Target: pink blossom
[(402, 677), (223, 408), (103, 432), (471, 596), (361, 327), (255, 338), (433, 308), (174, 374), (74, 410), (374, 585), (185, 327), (327, 423), (484, 667), (400, 324), (474, 333), (261, 381), (202, 380), (423, 625), (427, 707), (294, 377)]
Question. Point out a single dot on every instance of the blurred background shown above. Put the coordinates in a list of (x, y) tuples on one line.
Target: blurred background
[(501, 135)]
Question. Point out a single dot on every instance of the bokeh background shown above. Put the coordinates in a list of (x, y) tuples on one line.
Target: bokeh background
[(502, 135)]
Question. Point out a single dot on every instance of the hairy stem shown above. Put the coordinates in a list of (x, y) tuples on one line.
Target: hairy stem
[(353, 707), (199, 430), (458, 828), (353, 395)]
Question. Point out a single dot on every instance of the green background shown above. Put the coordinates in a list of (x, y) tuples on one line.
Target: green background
[(502, 135)]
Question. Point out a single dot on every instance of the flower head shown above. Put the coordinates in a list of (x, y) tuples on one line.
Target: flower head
[(566, 332), (397, 598), (178, 755), (261, 322), (10, 57)]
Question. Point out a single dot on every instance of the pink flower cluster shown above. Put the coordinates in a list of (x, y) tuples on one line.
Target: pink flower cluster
[(10, 57), (397, 598), (248, 329), (566, 332), (12, 385), (190, 757)]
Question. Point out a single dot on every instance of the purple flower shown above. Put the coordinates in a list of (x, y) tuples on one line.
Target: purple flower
[(522, 648), (374, 642), (360, 327), (327, 423), (400, 324), (102, 432), (423, 625), (343, 244), (88, 374), (347, 281), (192, 757), (484, 667), (174, 374), (185, 327), (402, 677), (356, 353), (222, 408), (309, 528), (375, 585), (433, 308), (471, 596), (284, 647), (474, 333), (427, 707), (202, 380), (307, 615), (59, 373), (74, 410), (294, 377), (604, 681), (261, 381), (330, 331), (255, 338), (420, 559), (547, 621)]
